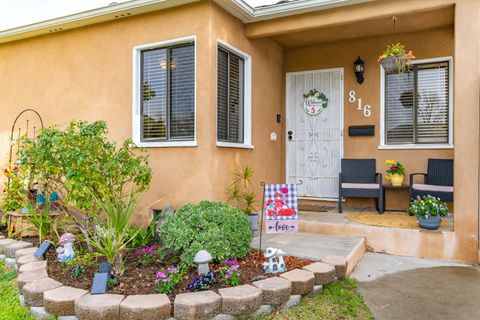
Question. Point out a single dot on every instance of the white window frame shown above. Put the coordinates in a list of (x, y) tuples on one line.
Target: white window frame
[(137, 89), (247, 99), (448, 145)]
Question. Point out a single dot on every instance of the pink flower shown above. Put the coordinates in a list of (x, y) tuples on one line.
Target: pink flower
[(231, 261), (161, 275), (235, 267)]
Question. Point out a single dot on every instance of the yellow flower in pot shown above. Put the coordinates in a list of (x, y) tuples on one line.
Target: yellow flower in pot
[(396, 172)]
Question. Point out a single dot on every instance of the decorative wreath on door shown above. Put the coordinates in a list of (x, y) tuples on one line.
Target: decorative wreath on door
[(314, 102)]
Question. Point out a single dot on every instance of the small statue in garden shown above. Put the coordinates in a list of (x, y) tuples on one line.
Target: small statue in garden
[(275, 262), (203, 257), (65, 250)]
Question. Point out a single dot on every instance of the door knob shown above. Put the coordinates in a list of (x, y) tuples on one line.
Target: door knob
[(290, 135)]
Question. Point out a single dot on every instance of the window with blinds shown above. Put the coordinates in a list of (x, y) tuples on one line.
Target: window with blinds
[(230, 97), (417, 105), (168, 93)]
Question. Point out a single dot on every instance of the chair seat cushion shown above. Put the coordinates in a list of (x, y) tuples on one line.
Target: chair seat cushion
[(431, 187), (360, 185)]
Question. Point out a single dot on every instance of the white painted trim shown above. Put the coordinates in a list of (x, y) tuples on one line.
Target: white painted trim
[(167, 144), (222, 144), (342, 118), (247, 97), (451, 108), (98, 15), (248, 14), (136, 89), (415, 146)]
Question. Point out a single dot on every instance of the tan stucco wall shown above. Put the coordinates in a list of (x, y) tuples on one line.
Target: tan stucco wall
[(87, 74), (342, 54)]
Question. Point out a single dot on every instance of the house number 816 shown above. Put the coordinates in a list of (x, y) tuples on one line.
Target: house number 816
[(366, 108)]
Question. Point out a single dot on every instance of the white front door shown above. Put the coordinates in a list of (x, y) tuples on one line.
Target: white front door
[(314, 141)]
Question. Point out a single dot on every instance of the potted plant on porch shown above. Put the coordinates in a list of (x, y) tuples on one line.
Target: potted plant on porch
[(396, 172), (241, 193), (429, 211)]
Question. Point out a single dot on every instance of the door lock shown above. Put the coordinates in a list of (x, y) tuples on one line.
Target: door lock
[(290, 135)]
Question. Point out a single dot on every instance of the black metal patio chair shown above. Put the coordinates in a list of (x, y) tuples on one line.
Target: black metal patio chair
[(437, 182), (359, 179)]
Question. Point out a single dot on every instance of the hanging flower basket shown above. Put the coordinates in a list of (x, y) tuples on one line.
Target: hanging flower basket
[(395, 59)]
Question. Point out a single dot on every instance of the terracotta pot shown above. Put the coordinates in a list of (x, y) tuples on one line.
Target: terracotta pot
[(396, 180)]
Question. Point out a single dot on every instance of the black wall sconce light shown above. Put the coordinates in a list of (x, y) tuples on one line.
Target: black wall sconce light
[(359, 67)]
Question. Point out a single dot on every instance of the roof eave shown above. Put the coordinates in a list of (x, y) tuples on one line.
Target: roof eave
[(103, 14), (248, 14)]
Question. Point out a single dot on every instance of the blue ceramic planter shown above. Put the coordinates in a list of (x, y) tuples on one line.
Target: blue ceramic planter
[(430, 223)]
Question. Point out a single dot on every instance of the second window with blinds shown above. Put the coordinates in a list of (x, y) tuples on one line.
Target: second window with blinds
[(232, 102), (417, 106)]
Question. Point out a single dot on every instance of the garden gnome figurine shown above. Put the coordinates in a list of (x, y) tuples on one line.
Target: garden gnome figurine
[(275, 262), (203, 257), (66, 243)]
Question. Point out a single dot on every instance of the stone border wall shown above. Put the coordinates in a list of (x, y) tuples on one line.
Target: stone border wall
[(47, 297)]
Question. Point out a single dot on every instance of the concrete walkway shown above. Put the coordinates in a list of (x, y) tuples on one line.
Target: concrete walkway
[(310, 245), (398, 288)]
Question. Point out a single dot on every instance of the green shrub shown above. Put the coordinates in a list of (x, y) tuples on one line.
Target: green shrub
[(222, 230)]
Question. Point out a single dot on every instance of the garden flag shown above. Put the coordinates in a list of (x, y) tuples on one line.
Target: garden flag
[(281, 213)]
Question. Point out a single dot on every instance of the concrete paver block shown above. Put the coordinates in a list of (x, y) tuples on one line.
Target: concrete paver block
[(14, 247), (302, 281), (197, 305), (40, 313), (292, 301), (100, 306), (324, 272), (276, 290), (34, 290), (142, 307), (24, 252), (30, 276), (27, 259), (4, 243), (340, 264), (240, 300), (10, 263), (37, 265), (262, 311), (61, 301)]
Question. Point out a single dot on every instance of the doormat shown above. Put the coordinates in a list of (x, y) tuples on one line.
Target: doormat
[(314, 207), (388, 219)]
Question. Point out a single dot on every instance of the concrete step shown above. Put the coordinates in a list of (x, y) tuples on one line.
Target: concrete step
[(315, 247)]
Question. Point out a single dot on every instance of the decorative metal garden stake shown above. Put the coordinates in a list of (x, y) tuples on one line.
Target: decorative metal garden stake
[(203, 257), (275, 262)]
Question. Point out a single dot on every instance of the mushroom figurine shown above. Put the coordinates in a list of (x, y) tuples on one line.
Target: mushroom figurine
[(66, 242), (202, 258)]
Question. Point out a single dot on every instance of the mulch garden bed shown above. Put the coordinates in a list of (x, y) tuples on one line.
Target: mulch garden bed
[(139, 279)]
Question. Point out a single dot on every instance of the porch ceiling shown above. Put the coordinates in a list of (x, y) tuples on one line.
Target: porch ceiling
[(408, 23)]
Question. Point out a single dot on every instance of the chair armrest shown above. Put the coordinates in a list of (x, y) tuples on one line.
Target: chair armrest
[(418, 174), (379, 178)]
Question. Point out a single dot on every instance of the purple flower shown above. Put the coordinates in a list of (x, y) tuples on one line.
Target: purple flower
[(231, 261), (235, 267), (172, 270), (161, 275)]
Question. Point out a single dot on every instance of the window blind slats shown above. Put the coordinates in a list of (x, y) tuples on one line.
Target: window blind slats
[(168, 93), (154, 89), (230, 111), (222, 95), (182, 93), (421, 117), (399, 111)]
